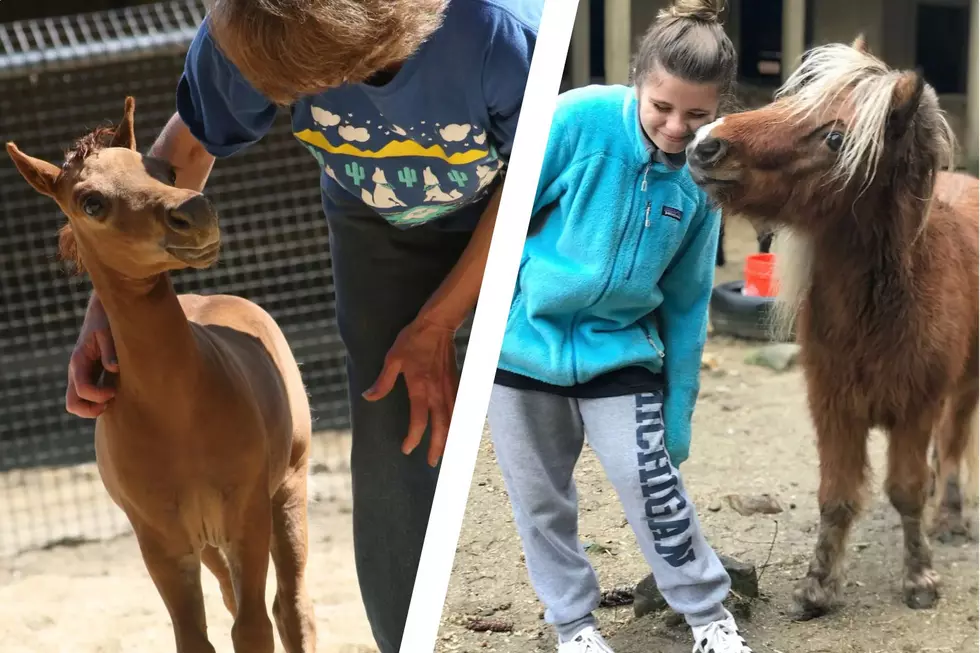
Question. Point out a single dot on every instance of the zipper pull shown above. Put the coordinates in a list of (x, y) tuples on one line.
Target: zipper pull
[(647, 220), (643, 186), (660, 354)]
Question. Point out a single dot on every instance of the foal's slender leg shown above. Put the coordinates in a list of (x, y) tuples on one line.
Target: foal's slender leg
[(248, 558), (292, 607), (842, 448), (176, 572), (214, 560), (907, 486)]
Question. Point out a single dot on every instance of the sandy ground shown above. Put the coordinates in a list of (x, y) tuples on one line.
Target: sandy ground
[(77, 595), (62, 544), (752, 435)]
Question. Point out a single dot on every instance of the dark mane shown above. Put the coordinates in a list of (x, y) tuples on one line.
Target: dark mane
[(68, 250), (87, 145)]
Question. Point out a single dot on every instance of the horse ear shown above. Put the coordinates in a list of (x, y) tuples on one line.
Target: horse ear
[(860, 44), (905, 101), (43, 176), (125, 135)]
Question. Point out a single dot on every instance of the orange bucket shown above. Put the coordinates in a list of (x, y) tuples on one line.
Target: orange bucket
[(758, 273)]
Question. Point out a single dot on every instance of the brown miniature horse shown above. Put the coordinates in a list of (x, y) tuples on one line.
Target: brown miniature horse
[(206, 443), (878, 274)]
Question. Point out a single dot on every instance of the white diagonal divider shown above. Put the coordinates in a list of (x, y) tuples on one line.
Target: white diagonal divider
[(483, 351)]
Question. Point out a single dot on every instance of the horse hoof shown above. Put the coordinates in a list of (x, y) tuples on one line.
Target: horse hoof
[(953, 536), (949, 528), (922, 590), (812, 599)]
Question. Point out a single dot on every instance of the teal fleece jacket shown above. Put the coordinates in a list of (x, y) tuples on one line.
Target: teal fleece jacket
[(619, 263)]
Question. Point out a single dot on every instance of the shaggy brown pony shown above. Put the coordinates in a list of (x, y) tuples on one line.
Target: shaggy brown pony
[(877, 268), (205, 445)]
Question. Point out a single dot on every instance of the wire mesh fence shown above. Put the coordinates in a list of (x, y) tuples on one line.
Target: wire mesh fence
[(58, 79)]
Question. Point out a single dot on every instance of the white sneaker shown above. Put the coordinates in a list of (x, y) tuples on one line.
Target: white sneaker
[(587, 640), (719, 637)]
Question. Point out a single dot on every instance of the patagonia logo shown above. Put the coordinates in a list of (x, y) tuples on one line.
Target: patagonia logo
[(671, 212)]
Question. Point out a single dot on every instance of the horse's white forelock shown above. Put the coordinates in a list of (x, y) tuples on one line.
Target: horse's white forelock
[(837, 71), (865, 86)]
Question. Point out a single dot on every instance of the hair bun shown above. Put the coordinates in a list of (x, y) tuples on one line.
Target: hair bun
[(704, 10)]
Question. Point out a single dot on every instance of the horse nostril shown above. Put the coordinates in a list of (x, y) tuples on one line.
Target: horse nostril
[(192, 216), (179, 221), (710, 150)]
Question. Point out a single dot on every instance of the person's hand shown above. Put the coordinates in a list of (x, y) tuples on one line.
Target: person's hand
[(425, 354), (94, 352)]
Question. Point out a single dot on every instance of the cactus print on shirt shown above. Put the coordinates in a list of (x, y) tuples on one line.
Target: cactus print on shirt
[(410, 174)]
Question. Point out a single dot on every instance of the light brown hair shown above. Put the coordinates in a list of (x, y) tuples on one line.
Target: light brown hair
[(290, 48), (688, 41)]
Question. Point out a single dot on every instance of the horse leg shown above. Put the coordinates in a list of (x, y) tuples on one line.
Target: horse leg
[(248, 558), (292, 607), (907, 487), (952, 439), (842, 449), (215, 561), (176, 573)]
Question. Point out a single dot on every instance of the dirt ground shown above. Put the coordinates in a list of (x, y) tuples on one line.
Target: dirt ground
[(752, 435), (96, 597)]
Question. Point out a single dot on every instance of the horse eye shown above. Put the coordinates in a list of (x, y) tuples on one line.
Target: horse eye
[(173, 177), (94, 206), (834, 141)]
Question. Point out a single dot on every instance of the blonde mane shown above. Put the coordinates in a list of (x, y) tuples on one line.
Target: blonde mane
[(868, 86), (858, 82)]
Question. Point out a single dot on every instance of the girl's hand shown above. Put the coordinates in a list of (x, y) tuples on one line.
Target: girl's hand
[(425, 354)]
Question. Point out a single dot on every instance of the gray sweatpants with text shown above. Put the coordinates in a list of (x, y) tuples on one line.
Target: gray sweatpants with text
[(538, 438)]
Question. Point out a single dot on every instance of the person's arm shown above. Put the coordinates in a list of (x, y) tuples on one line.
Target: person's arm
[(506, 64), (423, 352), (190, 159), (217, 106), (683, 322), (458, 293), (456, 296)]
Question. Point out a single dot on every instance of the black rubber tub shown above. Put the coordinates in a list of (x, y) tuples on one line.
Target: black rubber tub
[(734, 314)]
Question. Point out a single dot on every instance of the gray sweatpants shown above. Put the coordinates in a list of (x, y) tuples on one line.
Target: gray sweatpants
[(538, 438)]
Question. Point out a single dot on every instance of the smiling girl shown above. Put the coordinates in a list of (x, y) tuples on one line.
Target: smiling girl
[(606, 330)]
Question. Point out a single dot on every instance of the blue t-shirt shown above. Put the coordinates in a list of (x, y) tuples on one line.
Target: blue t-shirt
[(430, 144)]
